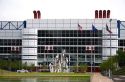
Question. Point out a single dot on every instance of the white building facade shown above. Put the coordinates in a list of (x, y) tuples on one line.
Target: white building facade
[(38, 41)]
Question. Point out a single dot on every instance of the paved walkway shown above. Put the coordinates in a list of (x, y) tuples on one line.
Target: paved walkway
[(97, 77), (119, 78)]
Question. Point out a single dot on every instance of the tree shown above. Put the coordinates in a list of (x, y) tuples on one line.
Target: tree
[(31, 67), (16, 64), (121, 58), (114, 63), (24, 65), (109, 65), (83, 68)]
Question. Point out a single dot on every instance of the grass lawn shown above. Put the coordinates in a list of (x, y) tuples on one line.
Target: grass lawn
[(4, 73)]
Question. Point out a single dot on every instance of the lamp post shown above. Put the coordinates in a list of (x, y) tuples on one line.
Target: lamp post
[(92, 57), (110, 72)]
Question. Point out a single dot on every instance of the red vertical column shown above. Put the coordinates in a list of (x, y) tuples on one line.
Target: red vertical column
[(35, 14), (96, 13), (100, 13), (108, 13), (104, 13), (39, 14)]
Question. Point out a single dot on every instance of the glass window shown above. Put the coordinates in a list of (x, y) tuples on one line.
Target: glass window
[(1, 42)]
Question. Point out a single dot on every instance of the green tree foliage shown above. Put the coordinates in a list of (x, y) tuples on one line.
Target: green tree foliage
[(24, 65), (110, 63), (10, 65), (15, 65), (121, 58), (81, 68), (114, 63)]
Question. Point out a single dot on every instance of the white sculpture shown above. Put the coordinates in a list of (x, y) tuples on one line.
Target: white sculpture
[(60, 63)]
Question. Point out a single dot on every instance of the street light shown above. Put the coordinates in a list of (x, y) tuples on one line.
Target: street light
[(110, 72)]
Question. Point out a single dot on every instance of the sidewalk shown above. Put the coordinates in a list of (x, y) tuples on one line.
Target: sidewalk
[(97, 77), (119, 78)]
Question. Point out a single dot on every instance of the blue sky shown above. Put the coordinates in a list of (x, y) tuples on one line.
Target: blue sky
[(59, 9)]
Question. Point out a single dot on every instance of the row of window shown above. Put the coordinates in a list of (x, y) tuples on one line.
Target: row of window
[(16, 42), (10, 57), (72, 59), (69, 33), (68, 56), (68, 41), (72, 63), (51, 49), (10, 50)]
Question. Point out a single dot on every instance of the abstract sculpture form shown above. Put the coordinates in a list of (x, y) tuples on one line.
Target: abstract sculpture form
[(59, 64)]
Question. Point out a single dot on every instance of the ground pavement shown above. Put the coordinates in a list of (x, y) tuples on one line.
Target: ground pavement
[(97, 77), (119, 78)]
